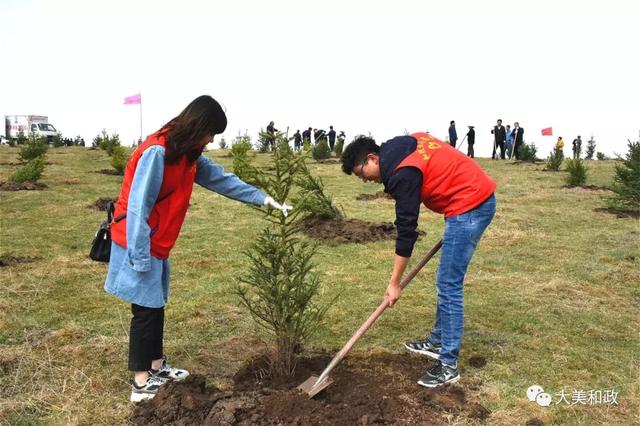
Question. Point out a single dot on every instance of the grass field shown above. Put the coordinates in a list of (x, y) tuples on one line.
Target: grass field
[(552, 294)]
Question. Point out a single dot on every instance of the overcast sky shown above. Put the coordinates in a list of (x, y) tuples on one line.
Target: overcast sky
[(363, 66)]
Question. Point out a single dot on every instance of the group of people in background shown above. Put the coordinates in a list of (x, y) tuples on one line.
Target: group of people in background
[(299, 139), (505, 139)]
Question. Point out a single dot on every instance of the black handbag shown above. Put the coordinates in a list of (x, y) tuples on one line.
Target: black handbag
[(101, 245)]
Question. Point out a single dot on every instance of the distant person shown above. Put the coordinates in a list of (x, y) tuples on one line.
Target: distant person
[(318, 135), (508, 142), (577, 147), (560, 146), (306, 136), (271, 130), (518, 139), (471, 139), (499, 135), (453, 135), (332, 137), (151, 208), (297, 141)]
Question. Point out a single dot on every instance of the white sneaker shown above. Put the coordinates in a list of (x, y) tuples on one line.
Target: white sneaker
[(146, 391), (168, 372)]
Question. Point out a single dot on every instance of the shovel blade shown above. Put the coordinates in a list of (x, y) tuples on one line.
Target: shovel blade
[(312, 388)]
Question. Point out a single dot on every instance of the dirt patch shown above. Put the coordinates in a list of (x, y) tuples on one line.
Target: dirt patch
[(477, 361), (15, 260), (22, 186), (378, 195), (9, 163), (534, 421), (619, 213), (592, 188), (377, 388), (347, 231), (328, 161), (111, 172), (101, 204)]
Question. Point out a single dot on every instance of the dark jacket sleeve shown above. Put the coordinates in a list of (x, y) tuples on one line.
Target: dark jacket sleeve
[(405, 186)]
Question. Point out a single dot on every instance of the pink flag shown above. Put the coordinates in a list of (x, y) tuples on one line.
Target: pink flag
[(547, 132), (133, 99)]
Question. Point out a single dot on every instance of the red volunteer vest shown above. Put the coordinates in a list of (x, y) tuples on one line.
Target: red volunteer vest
[(452, 183), (167, 216)]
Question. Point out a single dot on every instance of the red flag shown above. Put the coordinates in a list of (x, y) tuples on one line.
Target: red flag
[(133, 99), (547, 132)]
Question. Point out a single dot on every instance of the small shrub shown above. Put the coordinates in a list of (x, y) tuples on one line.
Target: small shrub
[(554, 160), (266, 141), (577, 172), (312, 198), (106, 142), (119, 158), (280, 287), (30, 172), (321, 150), (58, 141), (600, 156), (626, 182), (22, 139), (591, 149), (241, 164), (528, 152), (339, 146), (222, 143), (34, 147)]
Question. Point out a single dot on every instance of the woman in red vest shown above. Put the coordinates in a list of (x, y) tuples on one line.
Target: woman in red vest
[(149, 213), (420, 169)]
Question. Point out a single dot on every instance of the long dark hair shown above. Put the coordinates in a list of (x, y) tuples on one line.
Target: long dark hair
[(202, 117)]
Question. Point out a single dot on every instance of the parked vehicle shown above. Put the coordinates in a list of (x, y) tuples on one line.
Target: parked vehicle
[(28, 125)]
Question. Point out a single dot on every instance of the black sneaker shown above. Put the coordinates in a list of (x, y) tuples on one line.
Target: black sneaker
[(440, 374), (424, 347), (146, 391)]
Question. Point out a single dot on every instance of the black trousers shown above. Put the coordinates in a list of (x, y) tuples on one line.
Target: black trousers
[(470, 150), (145, 337)]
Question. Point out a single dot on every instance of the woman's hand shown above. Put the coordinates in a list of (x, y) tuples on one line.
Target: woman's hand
[(284, 208)]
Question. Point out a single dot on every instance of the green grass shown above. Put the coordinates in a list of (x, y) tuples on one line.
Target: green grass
[(551, 297)]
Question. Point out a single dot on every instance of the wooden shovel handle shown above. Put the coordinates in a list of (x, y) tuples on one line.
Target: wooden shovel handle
[(374, 316)]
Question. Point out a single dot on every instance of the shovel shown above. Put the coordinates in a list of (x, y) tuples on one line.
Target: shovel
[(314, 384)]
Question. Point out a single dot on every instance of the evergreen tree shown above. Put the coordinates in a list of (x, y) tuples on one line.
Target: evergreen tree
[(626, 184), (591, 149)]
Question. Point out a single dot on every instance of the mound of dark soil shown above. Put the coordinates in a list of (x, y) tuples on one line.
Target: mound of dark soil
[(477, 361), (593, 188), (9, 163), (101, 204), (15, 260), (111, 172), (378, 195), (328, 161), (375, 389), (347, 231), (22, 186)]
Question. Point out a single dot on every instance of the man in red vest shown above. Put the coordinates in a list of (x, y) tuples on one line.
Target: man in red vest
[(420, 169)]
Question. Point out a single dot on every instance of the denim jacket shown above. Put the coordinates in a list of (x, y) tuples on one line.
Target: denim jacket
[(134, 274)]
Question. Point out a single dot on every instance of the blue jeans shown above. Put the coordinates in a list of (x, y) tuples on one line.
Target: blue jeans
[(461, 236)]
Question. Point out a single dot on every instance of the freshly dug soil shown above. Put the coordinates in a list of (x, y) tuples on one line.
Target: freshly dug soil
[(328, 161), (15, 260), (112, 172), (477, 361), (347, 231), (619, 213), (367, 389), (377, 195), (593, 188), (101, 204), (22, 186)]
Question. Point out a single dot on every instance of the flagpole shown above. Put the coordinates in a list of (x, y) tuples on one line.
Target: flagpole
[(140, 140)]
